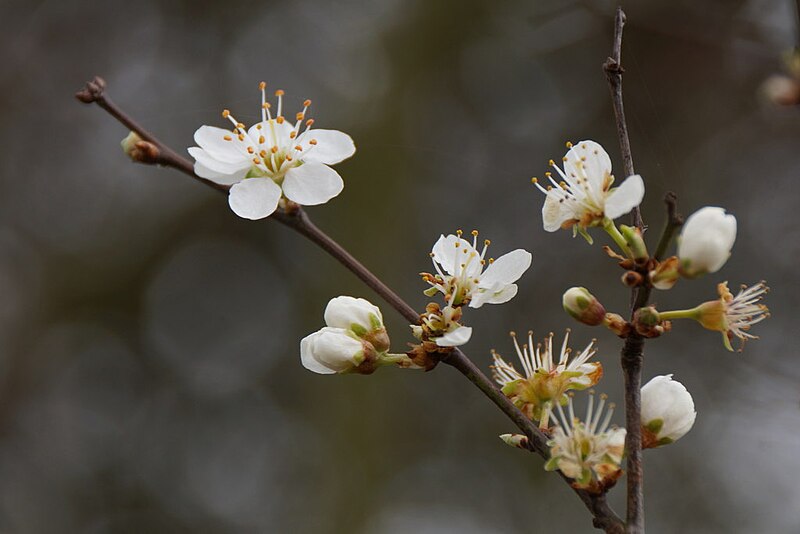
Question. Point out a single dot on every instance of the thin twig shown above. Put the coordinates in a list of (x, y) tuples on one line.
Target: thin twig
[(631, 355), (674, 221), (298, 220)]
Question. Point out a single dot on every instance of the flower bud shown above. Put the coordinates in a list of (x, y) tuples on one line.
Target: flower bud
[(667, 411), (583, 306), (705, 242), (519, 441), (139, 150), (633, 236), (335, 350), (665, 274), (360, 317), (617, 324), (648, 323)]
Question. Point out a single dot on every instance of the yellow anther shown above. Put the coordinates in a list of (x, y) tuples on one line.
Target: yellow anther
[(256, 160), (266, 105), (274, 149), (312, 142), (474, 233), (512, 334), (280, 119), (569, 144), (279, 92), (491, 261), (548, 174), (551, 163), (306, 103), (288, 158), (261, 139), (487, 242), (583, 146), (534, 180), (459, 232), (240, 125), (241, 137), (309, 122), (250, 150), (258, 126), (263, 153), (292, 134), (228, 138), (262, 85), (298, 148), (299, 116), (225, 113)]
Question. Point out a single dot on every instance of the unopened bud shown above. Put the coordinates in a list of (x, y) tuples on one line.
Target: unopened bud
[(647, 322), (666, 273), (632, 279), (617, 324), (633, 236), (359, 316), (515, 440), (139, 150), (667, 411), (583, 306)]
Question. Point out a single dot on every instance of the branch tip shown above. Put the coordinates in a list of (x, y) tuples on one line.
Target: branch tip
[(92, 91)]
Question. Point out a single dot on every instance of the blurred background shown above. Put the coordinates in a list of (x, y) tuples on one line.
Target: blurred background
[(149, 365)]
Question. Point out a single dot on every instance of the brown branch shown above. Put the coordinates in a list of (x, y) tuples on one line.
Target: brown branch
[(631, 357), (674, 221), (298, 220)]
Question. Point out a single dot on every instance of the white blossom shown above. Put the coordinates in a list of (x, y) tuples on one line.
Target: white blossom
[(442, 327), (667, 411), (275, 158), (706, 240), (332, 350), (355, 314), (461, 276), (544, 381), (584, 196), (587, 451)]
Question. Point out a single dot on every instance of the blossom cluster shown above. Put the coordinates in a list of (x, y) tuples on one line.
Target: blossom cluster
[(279, 163)]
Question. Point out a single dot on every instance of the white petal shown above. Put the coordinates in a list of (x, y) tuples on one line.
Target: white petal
[(212, 140), (275, 133), (344, 311), (554, 212), (311, 184), (332, 146), (224, 179), (450, 256), (307, 356), (494, 297), (507, 268), (455, 338), (214, 165), (254, 198), (589, 160), (624, 198)]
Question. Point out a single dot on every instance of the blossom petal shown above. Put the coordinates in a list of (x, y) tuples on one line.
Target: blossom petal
[(311, 184), (555, 212), (307, 356), (507, 268), (254, 198), (332, 146), (587, 159), (223, 179), (625, 197), (213, 141), (451, 251), (209, 162), (456, 337), (494, 297), (275, 133)]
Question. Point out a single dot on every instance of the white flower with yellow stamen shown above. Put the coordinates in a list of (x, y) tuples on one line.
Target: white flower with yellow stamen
[(461, 276), (275, 157), (733, 316), (544, 382), (584, 196), (587, 451)]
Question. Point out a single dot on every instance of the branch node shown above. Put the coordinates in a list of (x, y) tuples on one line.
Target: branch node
[(92, 91)]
